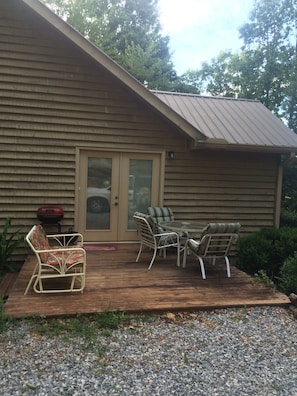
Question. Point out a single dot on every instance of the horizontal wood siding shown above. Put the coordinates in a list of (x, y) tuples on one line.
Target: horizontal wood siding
[(213, 186), (55, 99)]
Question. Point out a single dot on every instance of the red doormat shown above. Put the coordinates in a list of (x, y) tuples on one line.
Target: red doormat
[(98, 247)]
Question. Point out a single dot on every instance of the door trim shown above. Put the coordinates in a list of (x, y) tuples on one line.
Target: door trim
[(159, 184)]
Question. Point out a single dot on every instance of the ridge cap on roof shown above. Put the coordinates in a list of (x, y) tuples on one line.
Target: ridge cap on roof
[(203, 96)]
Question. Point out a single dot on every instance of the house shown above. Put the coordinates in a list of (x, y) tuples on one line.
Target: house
[(77, 131)]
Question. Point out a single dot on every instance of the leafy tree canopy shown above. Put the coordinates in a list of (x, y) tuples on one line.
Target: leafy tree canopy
[(128, 31), (266, 67)]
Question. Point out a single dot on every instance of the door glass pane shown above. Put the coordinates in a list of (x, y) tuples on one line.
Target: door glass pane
[(98, 193), (140, 187)]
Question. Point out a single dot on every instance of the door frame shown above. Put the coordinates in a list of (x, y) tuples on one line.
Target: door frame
[(159, 184)]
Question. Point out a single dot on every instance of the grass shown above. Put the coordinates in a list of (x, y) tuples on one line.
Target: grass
[(82, 327)]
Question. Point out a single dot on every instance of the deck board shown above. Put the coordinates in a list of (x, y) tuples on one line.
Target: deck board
[(115, 282), (7, 283)]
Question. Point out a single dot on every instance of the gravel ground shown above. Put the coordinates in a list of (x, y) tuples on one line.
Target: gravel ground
[(250, 351)]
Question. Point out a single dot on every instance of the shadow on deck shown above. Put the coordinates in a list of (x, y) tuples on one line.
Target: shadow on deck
[(116, 282)]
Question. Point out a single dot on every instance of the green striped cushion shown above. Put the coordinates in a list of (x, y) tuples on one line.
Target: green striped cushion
[(213, 228), (150, 220), (219, 228)]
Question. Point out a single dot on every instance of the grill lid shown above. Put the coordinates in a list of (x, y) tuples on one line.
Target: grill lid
[(50, 214)]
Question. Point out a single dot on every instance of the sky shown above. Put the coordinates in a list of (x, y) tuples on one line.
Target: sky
[(200, 29)]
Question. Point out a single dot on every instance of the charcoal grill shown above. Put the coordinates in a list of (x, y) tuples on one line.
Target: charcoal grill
[(51, 215)]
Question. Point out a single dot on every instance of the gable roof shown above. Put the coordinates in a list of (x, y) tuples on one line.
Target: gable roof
[(232, 122), (210, 122)]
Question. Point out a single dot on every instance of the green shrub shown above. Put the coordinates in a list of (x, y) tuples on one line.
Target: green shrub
[(8, 244), (288, 275), (266, 250), (288, 217)]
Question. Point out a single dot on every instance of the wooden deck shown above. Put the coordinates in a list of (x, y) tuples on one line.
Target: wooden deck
[(116, 282)]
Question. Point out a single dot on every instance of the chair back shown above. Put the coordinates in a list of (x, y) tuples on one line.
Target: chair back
[(222, 228), (38, 241), (217, 240), (144, 229), (160, 214)]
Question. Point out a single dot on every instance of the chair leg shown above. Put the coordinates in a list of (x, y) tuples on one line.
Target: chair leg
[(186, 253), (34, 275), (138, 255), (29, 284), (228, 267), (178, 256), (39, 282), (202, 267), (152, 260)]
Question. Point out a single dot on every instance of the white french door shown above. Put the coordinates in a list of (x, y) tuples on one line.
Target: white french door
[(112, 186)]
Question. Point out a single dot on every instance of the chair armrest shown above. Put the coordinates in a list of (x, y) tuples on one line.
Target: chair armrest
[(67, 239), (193, 245), (169, 233)]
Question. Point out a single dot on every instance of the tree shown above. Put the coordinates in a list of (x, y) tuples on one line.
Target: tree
[(272, 33), (265, 68), (128, 31)]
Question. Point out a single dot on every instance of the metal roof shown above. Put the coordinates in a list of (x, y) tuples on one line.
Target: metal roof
[(232, 121)]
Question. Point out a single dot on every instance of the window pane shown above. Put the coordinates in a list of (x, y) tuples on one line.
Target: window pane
[(140, 186), (98, 193)]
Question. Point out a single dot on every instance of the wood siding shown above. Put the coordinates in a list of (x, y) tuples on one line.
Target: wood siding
[(55, 99)]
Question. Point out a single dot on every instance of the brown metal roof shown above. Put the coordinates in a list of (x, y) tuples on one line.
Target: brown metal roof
[(232, 121)]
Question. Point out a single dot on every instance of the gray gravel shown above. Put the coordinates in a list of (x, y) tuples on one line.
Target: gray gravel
[(224, 352)]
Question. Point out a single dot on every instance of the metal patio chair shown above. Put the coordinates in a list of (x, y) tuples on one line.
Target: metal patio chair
[(160, 214), (216, 242), (154, 239)]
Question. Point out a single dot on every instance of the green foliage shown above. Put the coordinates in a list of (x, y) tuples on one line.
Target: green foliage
[(109, 320), (8, 244), (266, 250), (288, 275), (79, 325), (289, 190), (261, 278), (266, 67), (128, 31), (87, 328), (288, 215), (288, 218), (3, 320)]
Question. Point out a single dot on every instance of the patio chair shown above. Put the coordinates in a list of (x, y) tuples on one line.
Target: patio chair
[(163, 214), (151, 237), (58, 262), (216, 242), (160, 215)]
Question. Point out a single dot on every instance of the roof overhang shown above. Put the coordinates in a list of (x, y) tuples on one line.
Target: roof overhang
[(221, 144)]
